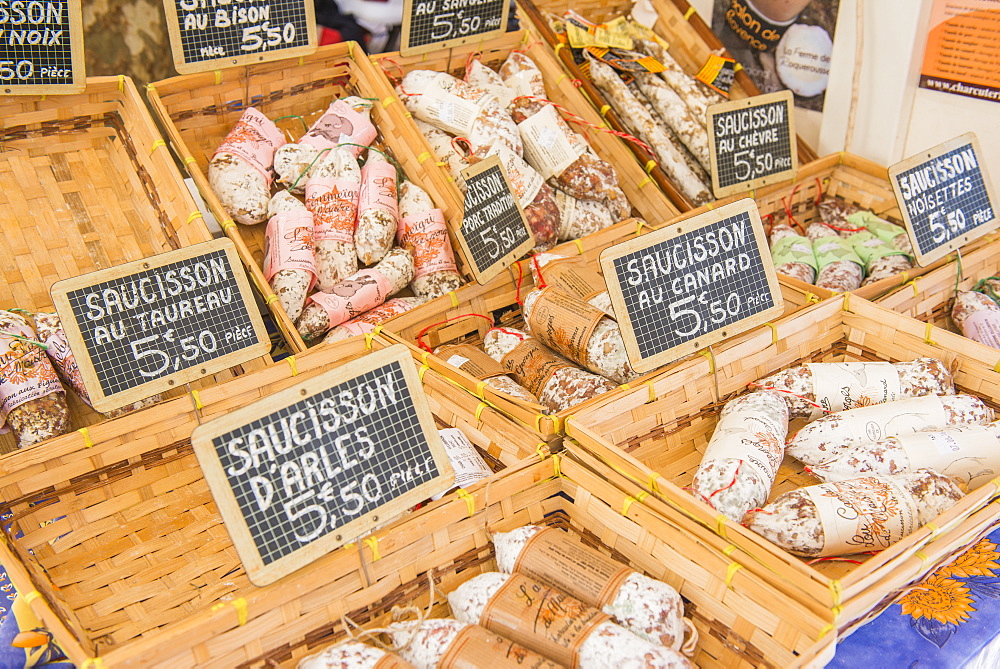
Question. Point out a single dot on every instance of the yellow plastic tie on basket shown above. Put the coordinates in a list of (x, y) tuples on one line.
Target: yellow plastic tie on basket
[(193, 215), (774, 333), (737, 67), (93, 663), (730, 572), (157, 144), (150, 88), (454, 300), (423, 156), (711, 359), (639, 225), (913, 282), (240, 605), (625, 386), (470, 501), (377, 330), (388, 101), (995, 482), (189, 160), (218, 77), (32, 596), (652, 394), (846, 305), (561, 77), (294, 365), (423, 370), (904, 277), (540, 450), (604, 110), (653, 485), (350, 51), (579, 246), (302, 60), (648, 180), (87, 441), (479, 409), (811, 297), (928, 329), (629, 500), (835, 591), (479, 389), (556, 469), (935, 530), (441, 163), (372, 543), (710, 206), (729, 550), (271, 299), (368, 340), (196, 396), (559, 46), (228, 223), (996, 367), (121, 83), (924, 559), (649, 166), (688, 13), (720, 525)]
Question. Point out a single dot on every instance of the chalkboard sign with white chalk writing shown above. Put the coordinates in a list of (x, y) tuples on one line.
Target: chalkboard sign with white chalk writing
[(945, 197), (691, 284), (41, 47), (306, 470), (214, 34), (752, 142), (429, 25), (147, 326)]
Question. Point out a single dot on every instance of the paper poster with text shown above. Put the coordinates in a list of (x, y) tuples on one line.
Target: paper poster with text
[(963, 49)]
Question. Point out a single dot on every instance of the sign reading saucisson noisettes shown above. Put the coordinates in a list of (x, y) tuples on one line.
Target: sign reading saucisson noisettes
[(945, 197), (147, 326), (494, 232), (318, 465), (752, 142), (215, 34), (41, 47), (429, 25), (691, 284)]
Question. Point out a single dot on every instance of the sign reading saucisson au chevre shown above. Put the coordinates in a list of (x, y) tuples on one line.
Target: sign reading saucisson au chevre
[(691, 284), (216, 34), (430, 25), (41, 47), (150, 325), (318, 465), (945, 197)]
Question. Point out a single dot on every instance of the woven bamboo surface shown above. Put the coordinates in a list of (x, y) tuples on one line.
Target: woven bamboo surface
[(86, 183), (657, 433), (466, 315), (138, 566), (198, 111)]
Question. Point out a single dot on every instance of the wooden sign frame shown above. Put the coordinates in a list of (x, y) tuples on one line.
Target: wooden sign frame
[(102, 402), (78, 79), (507, 260), (222, 492), (406, 50), (748, 103), (222, 62), (924, 259), (671, 231)]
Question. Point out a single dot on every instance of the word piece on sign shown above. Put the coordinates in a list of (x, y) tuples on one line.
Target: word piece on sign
[(214, 35), (752, 142), (494, 232), (945, 197), (41, 47), (147, 326), (691, 284), (429, 25), (318, 465)]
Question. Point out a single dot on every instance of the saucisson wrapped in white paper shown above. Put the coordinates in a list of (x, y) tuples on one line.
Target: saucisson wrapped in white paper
[(977, 316)]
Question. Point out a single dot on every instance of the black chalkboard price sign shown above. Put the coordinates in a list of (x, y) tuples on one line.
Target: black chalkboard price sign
[(691, 284), (752, 142), (494, 232), (147, 326), (429, 25), (215, 34), (945, 196), (318, 465), (41, 47)]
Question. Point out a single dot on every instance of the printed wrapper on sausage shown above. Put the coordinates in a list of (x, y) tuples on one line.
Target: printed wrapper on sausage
[(289, 244), (65, 365), (967, 454), (840, 386), (363, 291), (978, 316), (468, 464), (564, 323), (446, 111), (750, 436), (574, 276), (341, 125), (829, 250), (794, 249), (533, 365), (476, 647), (254, 138), (334, 205), (881, 228), (471, 360), (834, 211), (378, 188), (860, 515), (427, 235), (546, 147), (25, 372), (870, 248), (524, 180), (365, 323)]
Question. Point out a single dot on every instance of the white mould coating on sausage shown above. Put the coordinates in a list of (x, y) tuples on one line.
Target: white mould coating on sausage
[(797, 270), (791, 520), (817, 230), (336, 260), (779, 231), (697, 98), (376, 228), (290, 285), (445, 152), (566, 388), (648, 608), (840, 276), (887, 266), (826, 436), (835, 211), (671, 108), (241, 189), (606, 641), (601, 300), (479, 76), (507, 385), (605, 354), (413, 200), (728, 484), (970, 302), (426, 642), (578, 218), (345, 655)]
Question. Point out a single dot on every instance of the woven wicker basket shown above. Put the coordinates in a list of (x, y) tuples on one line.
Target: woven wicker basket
[(467, 315), (87, 184), (198, 111), (139, 567), (657, 433), (690, 42)]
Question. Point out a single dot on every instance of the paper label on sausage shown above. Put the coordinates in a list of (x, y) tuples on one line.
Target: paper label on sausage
[(476, 647), (564, 322), (574, 276), (968, 454), (551, 622), (877, 422), (752, 434), (546, 147), (983, 326), (341, 124), (839, 386), (447, 111), (556, 559), (525, 83), (472, 361), (352, 297), (334, 205), (25, 372), (254, 138), (288, 244), (864, 514), (533, 365), (64, 361), (427, 235), (390, 661), (468, 464), (524, 181), (366, 322), (378, 188)]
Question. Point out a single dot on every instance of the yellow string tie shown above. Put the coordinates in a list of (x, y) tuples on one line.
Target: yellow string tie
[(913, 282), (648, 180), (93, 663), (157, 144), (928, 328), (87, 441), (189, 160), (653, 485), (559, 46), (423, 370), (649, 166), (625, 386), (774, 333), (935, 529), (350, 51), (196, 396), (372, 543), (737, 67), (826, 630), (729, 550), (294, 365), (996, 367), (32, 596), (561, 77), (218, 77), (423, 156), (720, 525), (579, 246), (604, 110), (557, 470), (652, 392), (377, 330), (151, 88), (479, 410), (228, 223), (121, 83), (479, 389), (271, 299), (538, 421), (541, 451), (730, 572), (834, 586), (240, 605), (441, 163), (710, 206), (639, 225), (810, 298), (368, 340), (924, 559), (193, 215), (711, 359), (470, 501), (627, 505), (454, 300), (846, 306), (688, 13), (904, 277), (388, 101)]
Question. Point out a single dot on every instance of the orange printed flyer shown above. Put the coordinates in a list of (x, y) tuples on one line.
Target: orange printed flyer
[(963, 49)]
